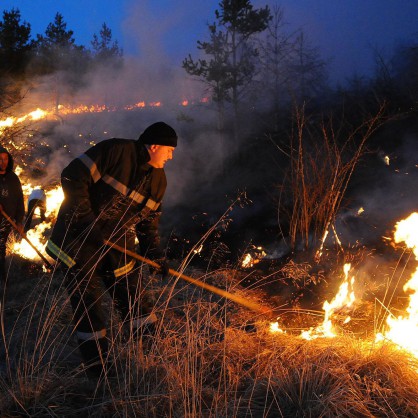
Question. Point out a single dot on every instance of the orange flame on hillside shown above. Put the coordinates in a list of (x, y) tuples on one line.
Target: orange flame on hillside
[(37, 235), (344, 298), (39, 114), (403, 330), (11, 120)]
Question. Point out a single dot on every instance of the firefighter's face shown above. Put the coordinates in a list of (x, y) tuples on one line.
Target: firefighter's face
[(159, 155), (4, 161)]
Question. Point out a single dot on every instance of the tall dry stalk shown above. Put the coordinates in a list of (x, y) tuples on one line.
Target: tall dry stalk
[(321, 167)]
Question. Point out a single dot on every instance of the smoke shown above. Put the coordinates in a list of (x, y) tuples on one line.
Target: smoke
[(165, 91), (382, 190), (196, 159)]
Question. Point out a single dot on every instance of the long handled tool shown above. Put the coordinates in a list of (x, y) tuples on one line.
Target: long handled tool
[(238, 299), (24, 236)]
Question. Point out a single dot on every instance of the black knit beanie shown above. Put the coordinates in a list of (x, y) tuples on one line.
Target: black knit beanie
[(159, 133)]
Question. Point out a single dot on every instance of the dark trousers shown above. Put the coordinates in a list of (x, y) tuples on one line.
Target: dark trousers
[(32, 205), (87, 286), (5, 229)]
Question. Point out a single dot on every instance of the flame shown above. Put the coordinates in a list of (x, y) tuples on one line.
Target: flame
[(38, 234), (403, 329), (198, 250), (63, 109), (11, 120), (250, 260), (138, 105), (35, 115), (54, 198), (344, 298), (36, 237), (275, 329)]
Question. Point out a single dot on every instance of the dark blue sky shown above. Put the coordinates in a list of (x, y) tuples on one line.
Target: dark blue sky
[(346, 31)]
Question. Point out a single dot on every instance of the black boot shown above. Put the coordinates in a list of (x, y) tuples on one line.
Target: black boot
[(94, 353)]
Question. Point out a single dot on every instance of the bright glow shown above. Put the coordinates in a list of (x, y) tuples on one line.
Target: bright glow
[(199, 249), (344, 299), (247, 261), (36, 237), (63, 109), (403, 330), (275, 329), (37, 234), (54, 199), (250, 260)]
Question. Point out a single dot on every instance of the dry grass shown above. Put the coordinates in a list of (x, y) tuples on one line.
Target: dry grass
[(209, 358), (323, 157)]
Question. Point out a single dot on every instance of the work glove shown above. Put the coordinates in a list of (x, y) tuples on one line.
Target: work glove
[(164, 268)]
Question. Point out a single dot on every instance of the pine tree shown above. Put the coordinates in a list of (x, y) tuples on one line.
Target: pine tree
[(230, 66), (104, 49), (15, 44), (57, 54)]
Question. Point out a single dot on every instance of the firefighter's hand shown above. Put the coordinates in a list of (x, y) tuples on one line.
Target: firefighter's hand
[(164, 268)]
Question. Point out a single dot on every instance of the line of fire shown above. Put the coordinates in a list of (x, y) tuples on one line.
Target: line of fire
[(346, 311)]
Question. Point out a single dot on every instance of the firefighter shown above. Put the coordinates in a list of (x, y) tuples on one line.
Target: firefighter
[(111, 192), (11, 201)]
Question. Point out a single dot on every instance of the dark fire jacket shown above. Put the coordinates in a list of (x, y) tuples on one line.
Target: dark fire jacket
[(112, 193), (11, 195)]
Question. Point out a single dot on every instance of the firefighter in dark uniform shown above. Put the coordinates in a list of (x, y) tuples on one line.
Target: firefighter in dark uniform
[(111, 192), (12, 203)]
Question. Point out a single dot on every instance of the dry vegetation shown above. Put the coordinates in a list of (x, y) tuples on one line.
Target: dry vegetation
[(209, 358)]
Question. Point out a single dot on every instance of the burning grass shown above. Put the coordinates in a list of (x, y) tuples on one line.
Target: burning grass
[(209, 357)]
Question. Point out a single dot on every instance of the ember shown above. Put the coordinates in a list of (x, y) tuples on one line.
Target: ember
[(252, 258)]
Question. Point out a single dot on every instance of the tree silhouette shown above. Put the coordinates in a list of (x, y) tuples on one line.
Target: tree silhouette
[(57, 54), (15, 47), (231, 67), (104, 49), (56, 49)]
